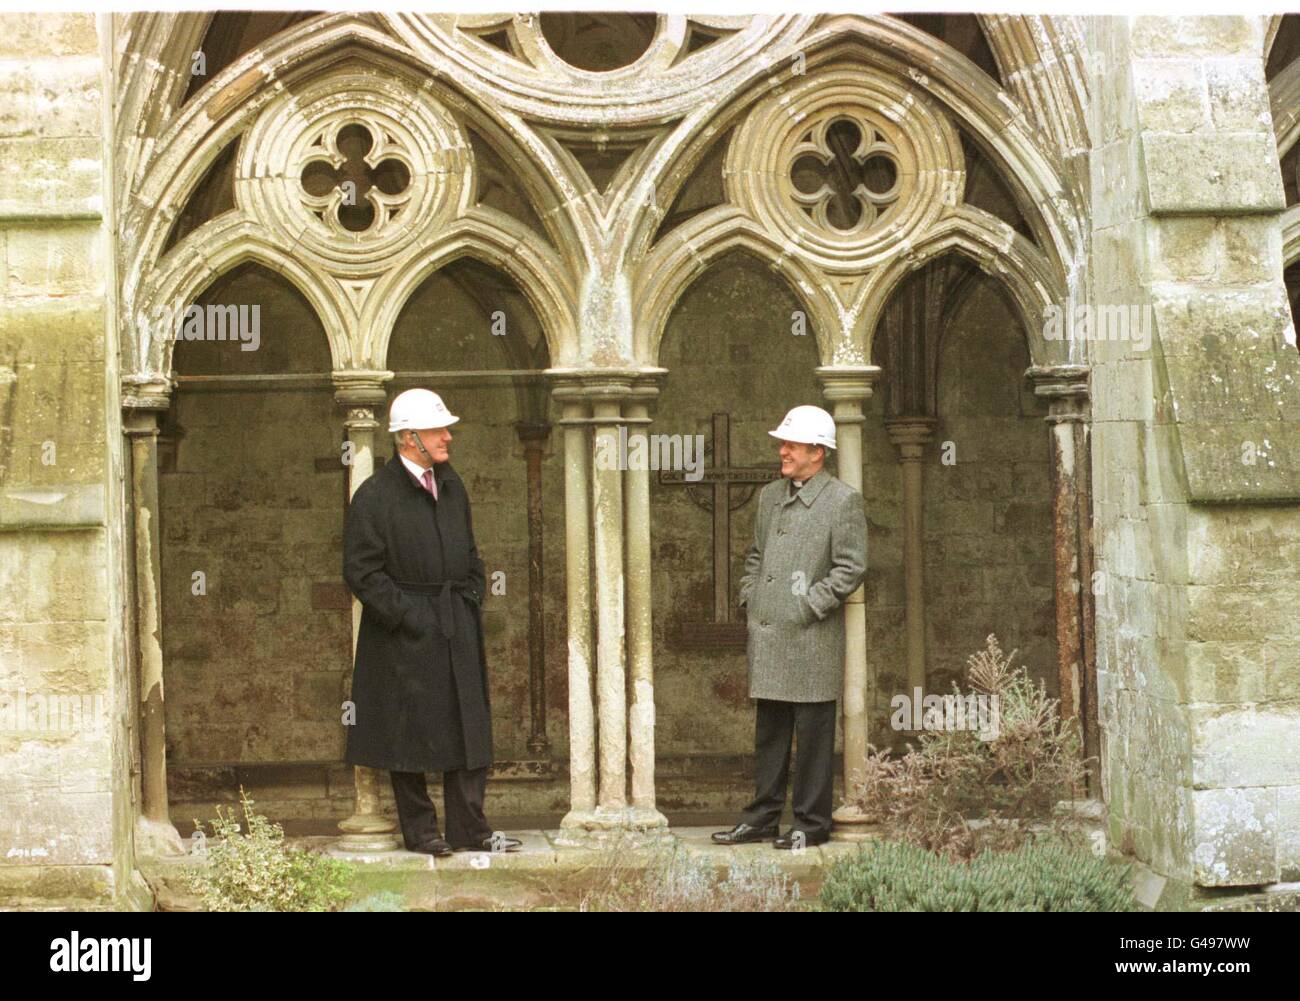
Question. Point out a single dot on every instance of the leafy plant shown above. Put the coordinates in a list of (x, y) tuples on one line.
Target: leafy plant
[(1042, 875), (256, 871), (961, 791)]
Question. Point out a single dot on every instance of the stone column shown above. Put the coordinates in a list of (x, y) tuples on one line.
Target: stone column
[(575, 420), (639, 632), (533, 436), (361, 394), (611, 678), (143, 404), (845, 389), (1065, 387), (910, 435)]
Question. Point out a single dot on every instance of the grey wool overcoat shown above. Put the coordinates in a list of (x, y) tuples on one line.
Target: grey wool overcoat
[(420, 681), (809, 554)]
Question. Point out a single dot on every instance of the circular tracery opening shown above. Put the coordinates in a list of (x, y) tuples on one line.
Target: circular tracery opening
[(850, 176), (598, 42), (355, 177)]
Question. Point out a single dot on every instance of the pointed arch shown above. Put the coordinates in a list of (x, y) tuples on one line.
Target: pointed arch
[(536, 274), (993, 118), (689, 251), (996, 250), (231, 241), (193, 140)]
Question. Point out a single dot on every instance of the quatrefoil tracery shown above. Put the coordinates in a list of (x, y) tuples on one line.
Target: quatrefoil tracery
[(351, 169), (844, 174), (849, 168), (353, 182)]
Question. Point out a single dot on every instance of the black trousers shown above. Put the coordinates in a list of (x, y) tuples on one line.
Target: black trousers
[(462, 800), (813, 725)]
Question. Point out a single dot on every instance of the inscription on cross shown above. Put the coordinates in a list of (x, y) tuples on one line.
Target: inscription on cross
[(355, 176), (713, 492)]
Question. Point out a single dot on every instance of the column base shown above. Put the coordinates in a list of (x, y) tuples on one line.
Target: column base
[(367, 833), (850, 823), (602, 827), (157, 837)]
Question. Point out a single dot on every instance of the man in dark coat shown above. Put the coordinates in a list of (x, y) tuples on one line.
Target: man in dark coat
[(420, 682)]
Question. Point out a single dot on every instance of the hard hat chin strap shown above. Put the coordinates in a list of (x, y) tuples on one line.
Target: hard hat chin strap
[(420, 445)]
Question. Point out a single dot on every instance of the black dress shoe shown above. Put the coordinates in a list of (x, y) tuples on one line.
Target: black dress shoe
[(786, 841), (743, 834), (493, 845), (435, 847)]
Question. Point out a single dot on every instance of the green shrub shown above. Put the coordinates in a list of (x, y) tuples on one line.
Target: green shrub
[(1042, 875), (257, 872)]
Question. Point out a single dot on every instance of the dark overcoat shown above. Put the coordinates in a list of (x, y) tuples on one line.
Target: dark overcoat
[(420, 680)]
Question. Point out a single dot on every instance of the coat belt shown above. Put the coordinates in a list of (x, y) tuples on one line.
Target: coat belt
[(443, 589)]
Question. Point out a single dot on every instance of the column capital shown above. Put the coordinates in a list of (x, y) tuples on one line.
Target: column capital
[(360, 387), (910, 435), (852, 383), (147, 393), (592, 384), (1065, 387), (606, 390), (646, 385)]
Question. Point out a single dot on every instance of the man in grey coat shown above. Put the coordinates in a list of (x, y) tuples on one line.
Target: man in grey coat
[(809, 554)]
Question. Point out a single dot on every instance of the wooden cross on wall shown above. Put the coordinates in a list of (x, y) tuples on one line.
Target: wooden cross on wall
[(716, 484)]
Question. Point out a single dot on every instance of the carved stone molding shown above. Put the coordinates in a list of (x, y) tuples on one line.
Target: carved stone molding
[(353, 170), (891, 164), (523, 73)]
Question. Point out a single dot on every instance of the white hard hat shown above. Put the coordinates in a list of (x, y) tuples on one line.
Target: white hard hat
[(810, 425), (418, 410)]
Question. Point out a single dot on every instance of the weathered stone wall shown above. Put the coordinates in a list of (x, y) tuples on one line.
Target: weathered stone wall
[(988, 518), (65, 740), (987, 551), (257, 652), (1195, 611)]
